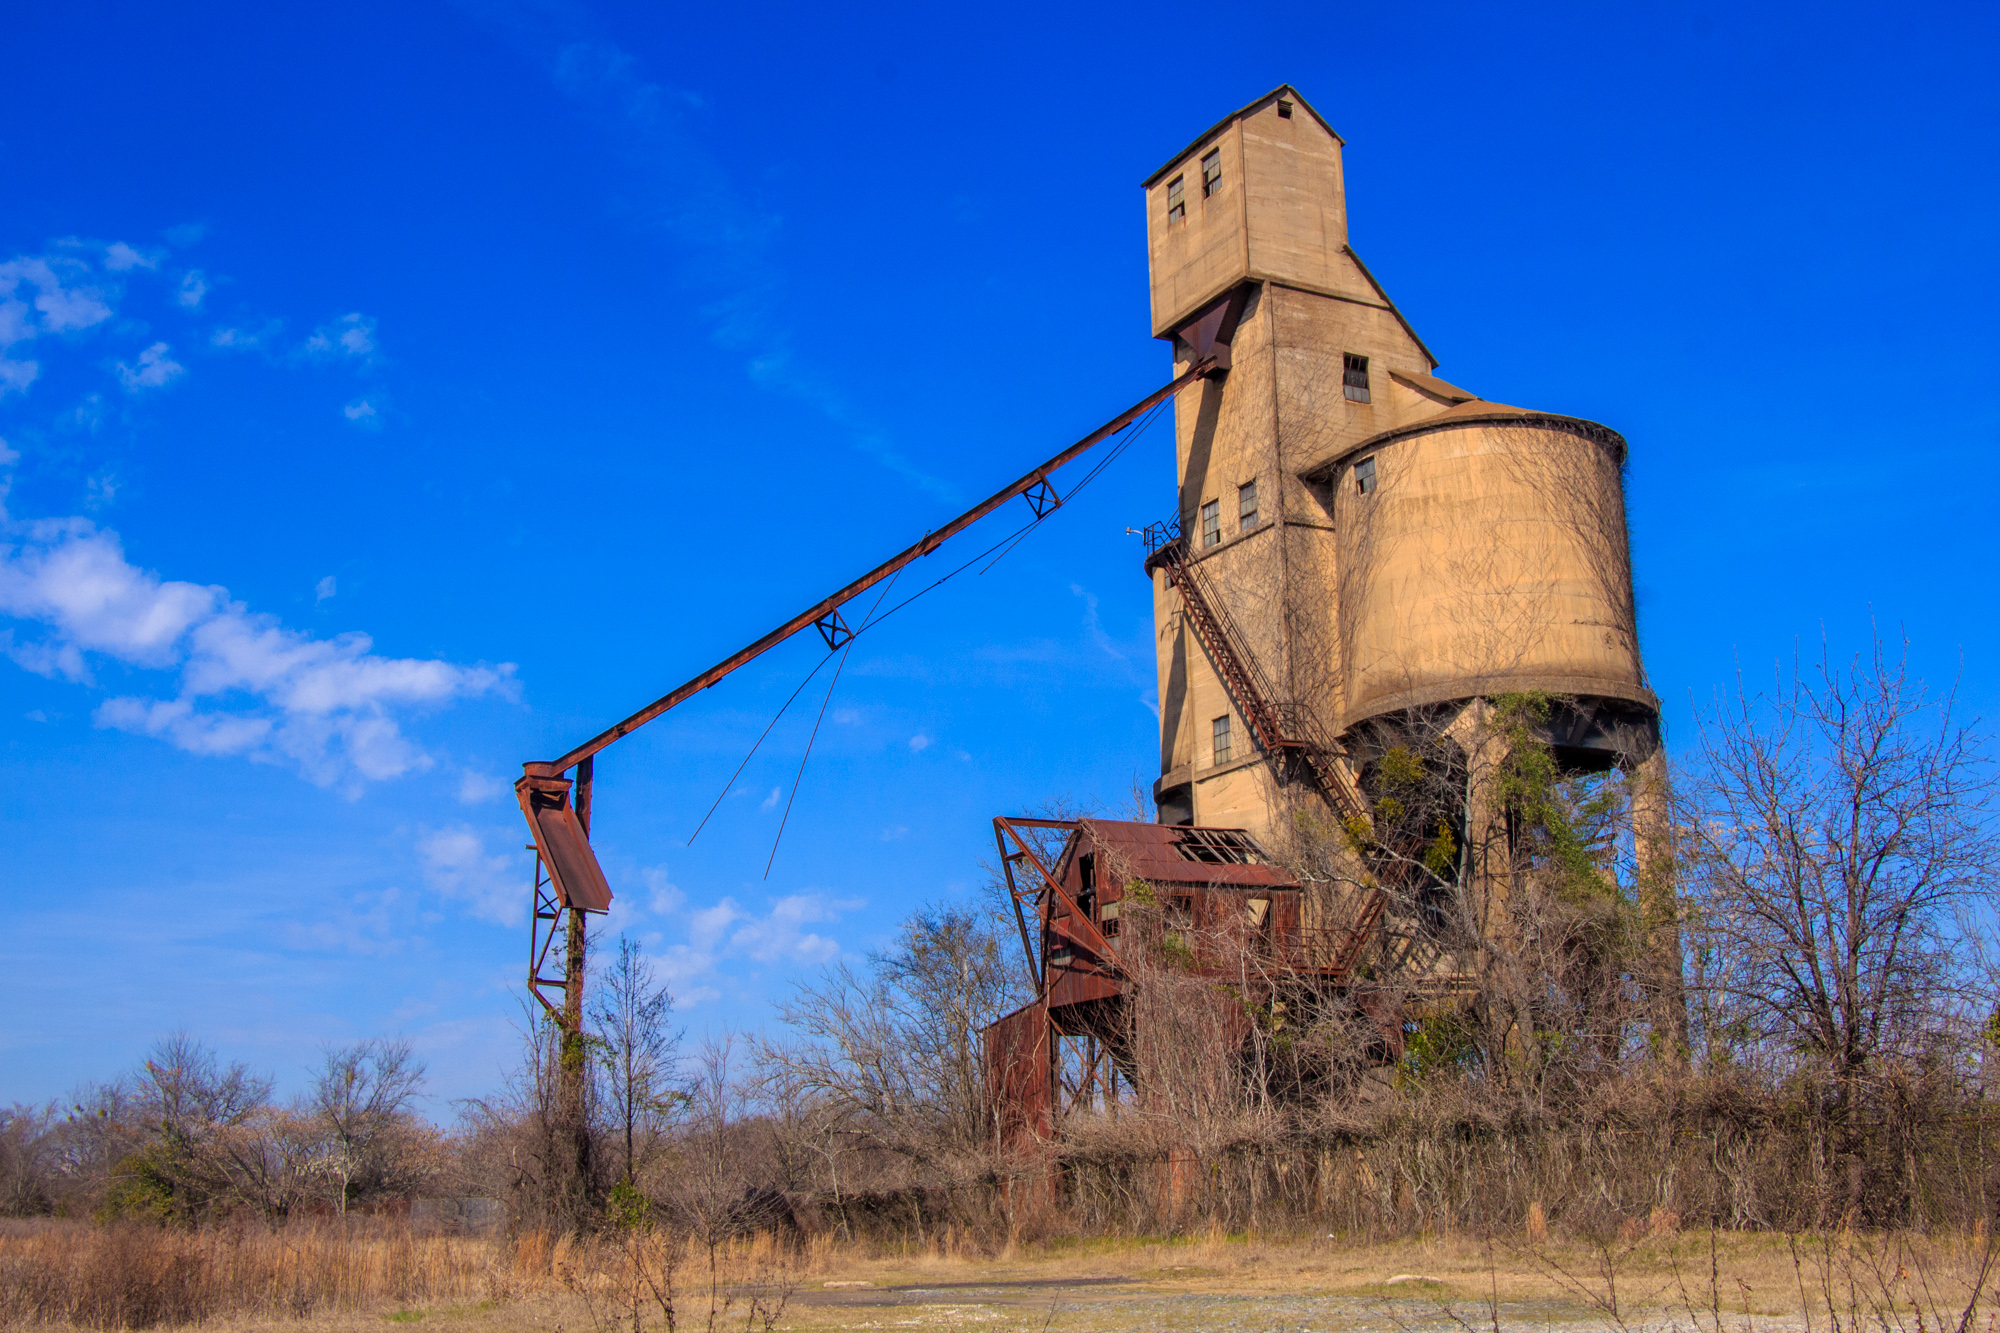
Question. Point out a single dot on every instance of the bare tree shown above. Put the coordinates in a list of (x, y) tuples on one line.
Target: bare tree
[(186, 1099), (638, 1051), (1834, 827), (361, 1095), (896, 1053)]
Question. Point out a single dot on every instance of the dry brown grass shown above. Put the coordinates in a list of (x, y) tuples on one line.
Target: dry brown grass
[(140, 1276), (74, 1275)]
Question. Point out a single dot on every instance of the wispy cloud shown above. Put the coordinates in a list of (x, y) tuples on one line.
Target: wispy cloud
[(493, 887), (120, 257), (672, 183), (241, 682), (476, 788), (724, 932), (43, 295), (369, 923), (155, 368), (351, 336), (241, 339), (64, 297), (246, 685)]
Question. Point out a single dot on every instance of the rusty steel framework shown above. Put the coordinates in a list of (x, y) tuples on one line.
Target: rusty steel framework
[(569, 883), (1072, 1044)]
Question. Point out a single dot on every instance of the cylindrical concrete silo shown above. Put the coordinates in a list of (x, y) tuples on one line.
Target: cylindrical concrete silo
[(1482, 552)]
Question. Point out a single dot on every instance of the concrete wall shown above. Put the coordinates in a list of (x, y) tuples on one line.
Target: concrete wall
[(1279, 411), (1281, 214), (1492, 558)]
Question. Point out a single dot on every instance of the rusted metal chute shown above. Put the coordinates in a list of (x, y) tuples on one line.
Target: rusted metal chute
[(569, 883)]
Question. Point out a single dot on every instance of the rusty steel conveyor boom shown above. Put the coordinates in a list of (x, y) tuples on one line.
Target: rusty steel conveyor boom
[(569, 881)]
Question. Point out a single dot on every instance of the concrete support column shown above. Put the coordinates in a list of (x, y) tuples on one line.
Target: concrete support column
[(1659, 906)]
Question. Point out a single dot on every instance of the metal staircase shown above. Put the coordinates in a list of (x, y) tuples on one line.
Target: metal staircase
[(1287, 731)]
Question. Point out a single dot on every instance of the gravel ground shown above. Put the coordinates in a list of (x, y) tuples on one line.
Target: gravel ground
[(1115, 1305)]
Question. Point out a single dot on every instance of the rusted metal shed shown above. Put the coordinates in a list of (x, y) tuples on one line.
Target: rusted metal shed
[(1081, 890)]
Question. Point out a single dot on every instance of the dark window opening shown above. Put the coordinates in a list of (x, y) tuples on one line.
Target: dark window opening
[(1176, 202), (1220, 847), (1221, 740), (1354, 377), (1284, 110), (1246, 506), (1180, 910), (1211, 172), (1364, 476), (1211, 524)]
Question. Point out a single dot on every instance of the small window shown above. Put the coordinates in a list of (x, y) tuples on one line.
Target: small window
[(1176, 202), (1222, 739), (1284, 110), (1246, 506), (1364, 476), (1354, 377), (1211, 524), (1211, 172)]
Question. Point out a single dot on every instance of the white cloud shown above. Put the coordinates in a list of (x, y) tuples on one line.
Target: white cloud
[(662, 896), (16, 323), (35, 715), (724, 931), (155, 368), (16, 376), (919, 743), (64, 309), (350, 335), (370, 924), (456, 864), (476, 788), (119, 257), (324, 589), (847, 717), (87, 415), (8, 455), (247, 685), (362, 412), (245, 339), (176, 721), (782, 936), (193, 287), (771, 802)]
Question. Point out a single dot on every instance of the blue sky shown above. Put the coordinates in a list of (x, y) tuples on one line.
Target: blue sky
[(395, 392)]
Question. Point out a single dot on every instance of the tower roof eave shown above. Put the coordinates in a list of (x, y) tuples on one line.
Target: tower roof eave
[(1282, 90)]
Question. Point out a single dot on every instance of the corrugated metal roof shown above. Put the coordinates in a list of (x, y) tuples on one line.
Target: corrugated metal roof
[(1172, 854)]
